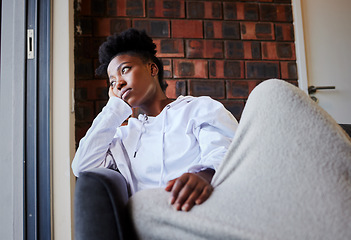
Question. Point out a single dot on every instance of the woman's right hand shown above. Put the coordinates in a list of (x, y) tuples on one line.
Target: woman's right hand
[(111, 92)]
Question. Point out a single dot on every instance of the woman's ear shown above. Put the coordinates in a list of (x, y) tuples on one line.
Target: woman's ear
[(154, 69)]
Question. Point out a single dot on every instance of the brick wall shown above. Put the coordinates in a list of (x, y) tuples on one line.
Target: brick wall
[(221, 49)]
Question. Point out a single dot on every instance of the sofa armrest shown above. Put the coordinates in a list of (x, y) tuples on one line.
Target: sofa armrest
[(100, 202)]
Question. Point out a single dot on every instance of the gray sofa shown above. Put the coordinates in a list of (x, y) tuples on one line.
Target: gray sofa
[(100, 202)]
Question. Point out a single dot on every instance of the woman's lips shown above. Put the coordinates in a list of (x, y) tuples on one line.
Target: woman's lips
[(125, 94)]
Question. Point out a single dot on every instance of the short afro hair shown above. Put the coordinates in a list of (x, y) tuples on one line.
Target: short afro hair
[(131, 41)]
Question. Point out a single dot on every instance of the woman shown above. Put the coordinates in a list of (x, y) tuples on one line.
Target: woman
[(175, 144)]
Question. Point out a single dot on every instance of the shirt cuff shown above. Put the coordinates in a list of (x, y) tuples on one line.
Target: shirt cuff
[(119, 107), (199, 168)]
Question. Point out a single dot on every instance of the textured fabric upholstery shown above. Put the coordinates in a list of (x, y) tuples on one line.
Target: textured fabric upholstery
[(99, 207)]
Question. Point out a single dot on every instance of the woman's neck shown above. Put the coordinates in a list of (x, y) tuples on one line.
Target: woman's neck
[(156, 106)]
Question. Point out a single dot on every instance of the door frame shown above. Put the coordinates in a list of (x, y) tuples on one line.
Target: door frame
[(300, 46), (37, 167), (12, 108), (63, 141)]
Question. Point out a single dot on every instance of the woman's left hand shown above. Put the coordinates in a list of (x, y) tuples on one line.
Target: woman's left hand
[(190, 189)]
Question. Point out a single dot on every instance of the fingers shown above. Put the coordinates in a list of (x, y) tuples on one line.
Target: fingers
[(182, 189), (206, 193), (188, 190), (198, 196), (111, 92), (170, 185), (179, 185), (186, 202)]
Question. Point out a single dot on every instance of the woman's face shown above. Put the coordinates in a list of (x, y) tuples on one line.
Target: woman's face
[(133, 80)]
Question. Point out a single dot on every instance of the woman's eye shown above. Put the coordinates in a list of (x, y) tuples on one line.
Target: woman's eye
[(125, 70), (113, 84)]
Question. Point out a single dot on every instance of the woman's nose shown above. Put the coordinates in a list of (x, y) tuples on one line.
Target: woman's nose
[(120, 84)]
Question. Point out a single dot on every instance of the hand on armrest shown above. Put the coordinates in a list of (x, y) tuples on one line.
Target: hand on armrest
[(190, 189)]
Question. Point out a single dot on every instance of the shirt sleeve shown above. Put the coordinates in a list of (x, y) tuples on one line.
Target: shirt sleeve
[(93, 150), (214, 129)]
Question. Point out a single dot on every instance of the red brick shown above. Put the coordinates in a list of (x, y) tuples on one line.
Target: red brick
[(230, 30), (259, 0), (284, 32), (83, 68), (135, 8), (284, 13), (187, 29), (99, 106), (226, 69), (80, 94), (190, 68), (84, 27), (276, 12), (171, 89), (167, 68), (278, 51), (240, 89), (81, 44), (92, 89), (288, 70), (257, 31), (222, 29), (84, 7), (262, 69), (84, 111), (282, 1), (294, 82), (242, 50), (96, 64), (201, 10), (247, 11), (214, 89), (240, 11), (80, 130), (236, 107), (111, 8), (98, 8), (213, 29), (154, 28), (102, 27), (119, 25), (96, 43), (169, 47), (204, 49), (230, 10), (176, 88), (166, 8)]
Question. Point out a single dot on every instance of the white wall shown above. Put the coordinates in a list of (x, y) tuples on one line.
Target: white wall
[(323, 32), (62, 118), (11, 121)]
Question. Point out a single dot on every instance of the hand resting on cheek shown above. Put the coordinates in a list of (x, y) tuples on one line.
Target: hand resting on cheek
[(111, 93)]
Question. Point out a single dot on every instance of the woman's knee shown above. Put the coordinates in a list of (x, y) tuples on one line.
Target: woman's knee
[(273, 88), (273, 92)]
